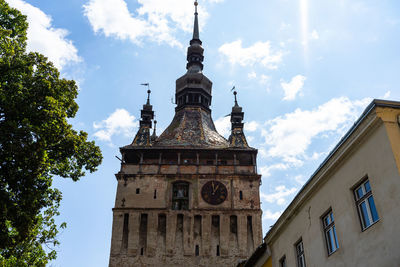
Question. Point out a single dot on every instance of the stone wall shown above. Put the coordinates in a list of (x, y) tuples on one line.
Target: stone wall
[(167, 238)]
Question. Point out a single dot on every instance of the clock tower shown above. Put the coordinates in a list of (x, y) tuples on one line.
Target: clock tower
[(188, 197)]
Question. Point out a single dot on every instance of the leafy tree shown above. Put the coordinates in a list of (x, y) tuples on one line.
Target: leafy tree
[(36, 144)]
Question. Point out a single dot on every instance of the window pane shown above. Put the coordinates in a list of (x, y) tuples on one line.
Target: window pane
[(299, 248), (326, 220), (367, 186), (283, 262), (329, 240), (359, 192), (303, 261), (364, 214), (336, 241), (374, 213)]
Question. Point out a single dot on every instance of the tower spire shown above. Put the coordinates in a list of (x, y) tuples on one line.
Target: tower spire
[(236, 103), (195, 50), (196, 35)]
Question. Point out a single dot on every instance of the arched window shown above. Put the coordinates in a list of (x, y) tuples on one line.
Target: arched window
[(180, 196)]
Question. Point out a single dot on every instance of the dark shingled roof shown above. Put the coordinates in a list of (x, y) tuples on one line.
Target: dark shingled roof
[(192, 127)]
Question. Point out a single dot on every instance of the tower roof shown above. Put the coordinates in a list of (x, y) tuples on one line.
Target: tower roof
[(192, 125)]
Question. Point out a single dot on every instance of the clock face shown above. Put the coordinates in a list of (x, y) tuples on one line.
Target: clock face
[(214, 192)]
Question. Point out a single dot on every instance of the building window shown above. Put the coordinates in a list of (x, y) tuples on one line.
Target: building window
[(366, 205), (301, 260), (137, 190), (155, 194), (180, 196), (330, 232), (240, 195), (282, 261), (125, 231)]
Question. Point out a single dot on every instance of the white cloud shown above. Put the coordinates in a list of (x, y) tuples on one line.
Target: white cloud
[(293, 87), (269, 215), (314, 35), (154, 20), (258, 53), (44, 38), (266, 170), (251, 126), (252, 75), (264, 79), (119, 122), (289, 136), (263, 152), (387, 95), (279, 196), (223, 126)]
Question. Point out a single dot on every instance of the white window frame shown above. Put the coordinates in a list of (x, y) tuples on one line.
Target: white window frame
[(300, 257), (366, 218), (331, 240)]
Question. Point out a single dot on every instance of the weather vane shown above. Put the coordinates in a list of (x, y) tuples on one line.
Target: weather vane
[(146, 84)]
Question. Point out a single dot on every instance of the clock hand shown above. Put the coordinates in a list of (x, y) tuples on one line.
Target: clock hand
[(215, 189)]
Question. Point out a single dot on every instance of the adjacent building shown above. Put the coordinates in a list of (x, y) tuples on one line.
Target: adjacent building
[(347, 214), (188, 197)]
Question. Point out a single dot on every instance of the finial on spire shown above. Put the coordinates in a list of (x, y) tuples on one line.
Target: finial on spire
[(148, 92), (235, 93), (148, 97), (196, 35)]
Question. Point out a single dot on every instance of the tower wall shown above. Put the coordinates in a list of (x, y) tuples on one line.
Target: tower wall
[(148, 231)]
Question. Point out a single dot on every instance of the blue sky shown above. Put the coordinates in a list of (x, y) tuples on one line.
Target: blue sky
[(304, 70)]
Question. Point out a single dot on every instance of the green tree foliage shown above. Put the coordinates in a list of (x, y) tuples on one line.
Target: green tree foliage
[(36, 144)]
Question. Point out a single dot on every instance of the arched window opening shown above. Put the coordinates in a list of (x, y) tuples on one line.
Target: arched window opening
[(180, 196)]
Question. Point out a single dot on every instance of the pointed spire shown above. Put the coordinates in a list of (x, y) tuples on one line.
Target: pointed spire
[(236, 103), (196, 23), (195, 50)]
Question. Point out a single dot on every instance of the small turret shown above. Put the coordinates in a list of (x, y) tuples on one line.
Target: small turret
[(237, 137), (143, 137), (154, 135)]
